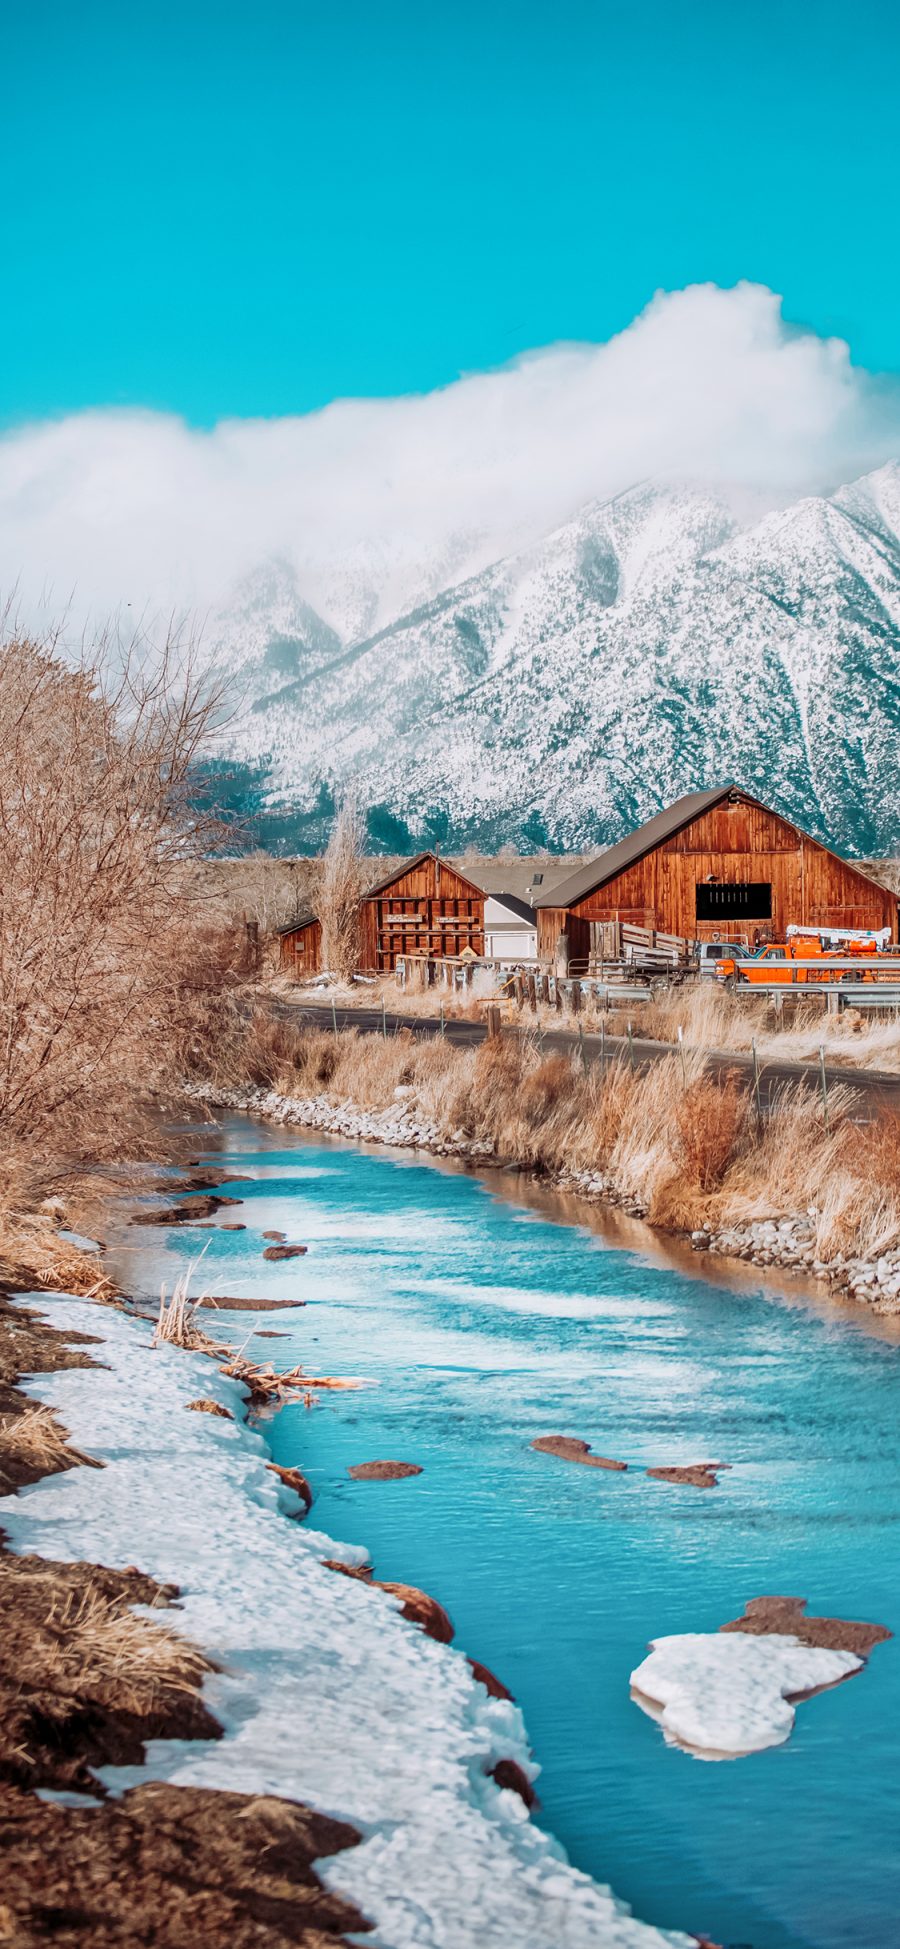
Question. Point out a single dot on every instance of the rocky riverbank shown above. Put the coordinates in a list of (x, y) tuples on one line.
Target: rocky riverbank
[(787, 1242)]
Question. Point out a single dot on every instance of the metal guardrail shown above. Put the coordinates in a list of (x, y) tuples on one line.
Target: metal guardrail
[(813, 972), (836, 994)]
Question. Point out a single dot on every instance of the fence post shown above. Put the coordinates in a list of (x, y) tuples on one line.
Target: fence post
[(755, 1073), (334, 1016), (681, 1053), (824, 1083), (602, 1047), (383, 1018), (442, 1018), (584, 1058), (630, 1045)]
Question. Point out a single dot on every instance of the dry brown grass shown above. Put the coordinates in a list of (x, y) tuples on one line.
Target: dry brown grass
[(84, 1643), (274, 1054), (710, 1119), (36, 1438), (107, 1647), (710, 1018), (32, 1255), (176, 1323)]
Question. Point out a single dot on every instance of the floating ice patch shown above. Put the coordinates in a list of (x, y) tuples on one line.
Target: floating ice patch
[(326, 1694), (726, 1695)]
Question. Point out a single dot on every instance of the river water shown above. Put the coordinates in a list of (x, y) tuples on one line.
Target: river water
[(483, 1320)]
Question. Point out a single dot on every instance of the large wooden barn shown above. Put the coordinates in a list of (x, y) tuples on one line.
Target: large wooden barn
[(717, 865)]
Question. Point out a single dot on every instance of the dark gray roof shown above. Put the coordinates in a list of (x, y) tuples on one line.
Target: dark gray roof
[(300, 920), (627, 851), (517, 873), (486, 874), (521, 908)]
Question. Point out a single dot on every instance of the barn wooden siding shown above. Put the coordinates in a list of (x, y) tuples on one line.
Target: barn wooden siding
[(427, 907), (301, 950), (738, 843)]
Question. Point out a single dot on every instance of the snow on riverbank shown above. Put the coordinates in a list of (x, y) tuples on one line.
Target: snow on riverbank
[(730, 1694), (326, 1693)]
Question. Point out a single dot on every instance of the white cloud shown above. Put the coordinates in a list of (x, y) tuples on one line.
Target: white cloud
[(106, 508)]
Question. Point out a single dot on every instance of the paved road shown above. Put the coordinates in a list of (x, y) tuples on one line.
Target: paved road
[(879, 1087)]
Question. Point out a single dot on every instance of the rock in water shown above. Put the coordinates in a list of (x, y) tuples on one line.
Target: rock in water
[(787, 1615), (492, 1684), (188, 1212), (567, 1448), (294, 1479), (697, 1475), (421, 1609), (509, 1774), (383, 1471)]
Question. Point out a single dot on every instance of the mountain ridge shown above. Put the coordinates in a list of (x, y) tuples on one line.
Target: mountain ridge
[(645, 647)]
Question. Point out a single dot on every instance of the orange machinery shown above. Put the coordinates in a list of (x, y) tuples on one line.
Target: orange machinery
[(777, 961)]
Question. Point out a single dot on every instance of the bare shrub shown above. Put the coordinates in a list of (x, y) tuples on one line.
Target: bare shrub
[(103, 979), (340, 891)]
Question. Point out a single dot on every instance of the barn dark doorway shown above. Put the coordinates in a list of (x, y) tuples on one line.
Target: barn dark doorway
[(742, 900)]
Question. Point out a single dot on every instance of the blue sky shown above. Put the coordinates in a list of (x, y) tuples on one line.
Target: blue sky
[(255, 208)]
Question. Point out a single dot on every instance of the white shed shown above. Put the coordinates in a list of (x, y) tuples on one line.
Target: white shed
[(510, 928)]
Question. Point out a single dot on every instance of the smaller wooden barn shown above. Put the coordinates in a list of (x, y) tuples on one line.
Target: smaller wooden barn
[(300, 946), (426, 906), (717, 865)]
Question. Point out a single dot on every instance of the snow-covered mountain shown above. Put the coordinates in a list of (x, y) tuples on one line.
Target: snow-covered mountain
[(650, 646)]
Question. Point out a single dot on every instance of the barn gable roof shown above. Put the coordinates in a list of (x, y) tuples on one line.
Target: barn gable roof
[(306, 918), (409, 866), (664, 825), (626, 852)]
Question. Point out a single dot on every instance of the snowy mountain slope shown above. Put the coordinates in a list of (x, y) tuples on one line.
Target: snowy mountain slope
[(647, 647)]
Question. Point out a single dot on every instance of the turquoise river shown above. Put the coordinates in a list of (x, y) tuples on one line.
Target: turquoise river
[(485, 1317)]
